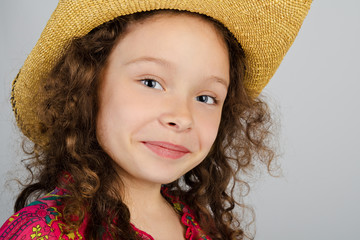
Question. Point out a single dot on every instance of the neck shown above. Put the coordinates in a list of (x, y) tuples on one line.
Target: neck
[(143, 198), (142, 195), (149, 211)]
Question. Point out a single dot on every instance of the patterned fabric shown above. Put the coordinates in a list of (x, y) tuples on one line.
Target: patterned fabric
[(42, 219)]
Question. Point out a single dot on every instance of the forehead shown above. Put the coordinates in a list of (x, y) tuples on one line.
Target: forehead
[(173, 35)]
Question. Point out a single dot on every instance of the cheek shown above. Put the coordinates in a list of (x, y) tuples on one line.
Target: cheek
[(109, 116), (121, 112), (101, 133), (104, 127), (208, 129)]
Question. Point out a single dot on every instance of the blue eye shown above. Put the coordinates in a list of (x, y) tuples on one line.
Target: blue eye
[(152, 84), (207, 99)]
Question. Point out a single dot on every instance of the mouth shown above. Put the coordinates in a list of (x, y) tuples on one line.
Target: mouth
[(167, 150)]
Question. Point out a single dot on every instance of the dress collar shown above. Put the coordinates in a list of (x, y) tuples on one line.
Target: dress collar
[(193, 229)]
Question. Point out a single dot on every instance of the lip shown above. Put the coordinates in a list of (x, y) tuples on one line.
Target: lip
[(166, 149)]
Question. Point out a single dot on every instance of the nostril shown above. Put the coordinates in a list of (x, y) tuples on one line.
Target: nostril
[(172, 124)]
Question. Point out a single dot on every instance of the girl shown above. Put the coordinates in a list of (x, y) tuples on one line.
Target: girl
[(143, 115)]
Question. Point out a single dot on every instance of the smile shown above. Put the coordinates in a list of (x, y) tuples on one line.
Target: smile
[(167, 150)]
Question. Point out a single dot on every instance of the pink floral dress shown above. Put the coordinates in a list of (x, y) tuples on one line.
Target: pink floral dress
[(42, 219)]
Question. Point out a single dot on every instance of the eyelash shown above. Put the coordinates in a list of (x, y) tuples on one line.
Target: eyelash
[(216, 101), (149, 79), (213, 98)]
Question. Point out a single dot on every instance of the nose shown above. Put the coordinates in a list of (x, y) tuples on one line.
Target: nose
[(176, 115)]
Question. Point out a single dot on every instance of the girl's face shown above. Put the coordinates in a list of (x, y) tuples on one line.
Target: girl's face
[(161, 96)]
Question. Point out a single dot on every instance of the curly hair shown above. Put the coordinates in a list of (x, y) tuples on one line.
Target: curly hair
[(68, 116)]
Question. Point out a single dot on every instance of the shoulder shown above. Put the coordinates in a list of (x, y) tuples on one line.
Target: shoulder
[(32, 222), (41, 219)]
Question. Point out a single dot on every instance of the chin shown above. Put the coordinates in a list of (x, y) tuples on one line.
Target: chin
[(164, 178)]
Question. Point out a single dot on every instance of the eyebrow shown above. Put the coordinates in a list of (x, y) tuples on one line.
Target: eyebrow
[(168, 64), (220, 80), (159, 61)]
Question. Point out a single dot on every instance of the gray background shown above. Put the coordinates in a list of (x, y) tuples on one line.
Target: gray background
[(314, 94)]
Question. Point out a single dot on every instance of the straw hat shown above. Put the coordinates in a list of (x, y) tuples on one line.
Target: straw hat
[(265, 29)]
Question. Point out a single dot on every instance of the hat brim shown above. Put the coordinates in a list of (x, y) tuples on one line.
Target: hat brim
[(265, 29)]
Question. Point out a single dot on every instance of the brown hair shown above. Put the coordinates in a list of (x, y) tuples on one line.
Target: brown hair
[(68, 119)]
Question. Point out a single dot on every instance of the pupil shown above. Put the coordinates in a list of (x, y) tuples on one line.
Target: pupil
[(150, 83)]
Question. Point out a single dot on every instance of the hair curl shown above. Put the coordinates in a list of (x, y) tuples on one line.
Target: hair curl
[(68, 115)]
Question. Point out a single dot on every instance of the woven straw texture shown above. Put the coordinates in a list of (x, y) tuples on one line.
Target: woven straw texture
[(265, 28)]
